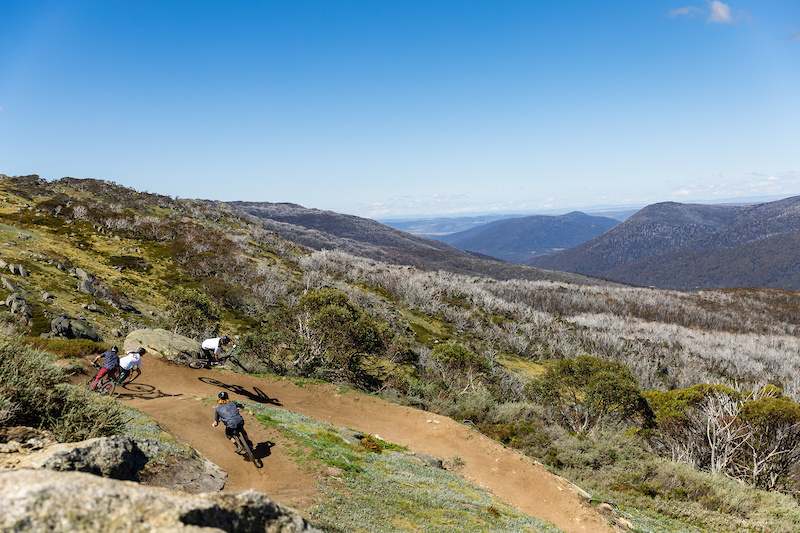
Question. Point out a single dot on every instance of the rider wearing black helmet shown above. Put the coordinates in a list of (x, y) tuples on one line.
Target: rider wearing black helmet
[(214, 346), (132, 362), (110, 365), (228, 412)]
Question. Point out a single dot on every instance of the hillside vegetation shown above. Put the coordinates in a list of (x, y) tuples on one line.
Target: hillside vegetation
[(678, 407), (519, 240), (693, 246)]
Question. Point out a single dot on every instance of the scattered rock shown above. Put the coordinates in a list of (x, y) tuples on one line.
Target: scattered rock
[(8, 284), (81, 274), (22, 439), (192, 474), (19, 306), (70, 328), (18, 270), (74, 501), (94, 308), (86, 286)]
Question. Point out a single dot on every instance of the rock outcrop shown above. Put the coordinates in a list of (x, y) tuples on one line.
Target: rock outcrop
[(165, 344), (71, 328), (39, 500), (118, 457)]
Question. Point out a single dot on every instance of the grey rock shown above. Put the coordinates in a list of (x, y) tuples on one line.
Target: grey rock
[(192, 473), (37, 500), (70, 328), (86, 286), (16, 302), (18, 270), (94, 308), (163, 343), (81, 274), (8, 284), (118, 457)]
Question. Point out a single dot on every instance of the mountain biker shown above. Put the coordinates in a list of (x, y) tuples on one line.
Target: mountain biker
[(132, 362), (110, 365), (214, 346), (228, 412)]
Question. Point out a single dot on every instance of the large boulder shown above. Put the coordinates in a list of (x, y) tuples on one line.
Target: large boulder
[(118, 457), (40, 500), (165, 344), (71, 328), (19, 306)]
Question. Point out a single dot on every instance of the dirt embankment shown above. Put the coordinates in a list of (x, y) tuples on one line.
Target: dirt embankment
[(172, 395)]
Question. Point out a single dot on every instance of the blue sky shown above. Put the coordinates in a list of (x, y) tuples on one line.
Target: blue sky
[(402, 107)]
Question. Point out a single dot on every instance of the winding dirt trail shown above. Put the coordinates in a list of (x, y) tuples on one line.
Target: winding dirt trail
[(172, 394)]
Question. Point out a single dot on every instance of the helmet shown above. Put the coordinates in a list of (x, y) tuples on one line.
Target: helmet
[(141, 351), (223, 395), (225, 339), (114, 349)]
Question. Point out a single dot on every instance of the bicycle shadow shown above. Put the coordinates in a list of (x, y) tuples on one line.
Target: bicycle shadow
[(263, 450), (140, 391), (257, 395)]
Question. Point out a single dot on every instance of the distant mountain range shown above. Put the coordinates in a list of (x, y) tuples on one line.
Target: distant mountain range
[(693, 246), (433, 228), (318, 229), (518, 240)]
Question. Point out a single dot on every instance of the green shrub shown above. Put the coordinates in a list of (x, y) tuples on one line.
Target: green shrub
[(460, 367), (34, 392), (325, 334), (582, 391), (193, 314), (261, 352)]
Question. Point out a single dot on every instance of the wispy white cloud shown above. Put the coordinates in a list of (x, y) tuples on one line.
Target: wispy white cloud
[(689, 11), (757, 185), (794, 35), (716, 12), (720, 13)]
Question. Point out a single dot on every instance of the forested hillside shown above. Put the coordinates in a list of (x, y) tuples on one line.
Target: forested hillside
[(693, 246), (678, 407), (518, 240)]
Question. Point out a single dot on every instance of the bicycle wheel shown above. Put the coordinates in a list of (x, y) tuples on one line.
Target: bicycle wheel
[(106, 387), (248, 451)]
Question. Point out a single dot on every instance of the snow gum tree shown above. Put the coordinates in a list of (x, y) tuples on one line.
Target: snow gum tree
[(582, 391)]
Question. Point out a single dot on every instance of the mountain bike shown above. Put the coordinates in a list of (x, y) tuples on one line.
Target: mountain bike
[(107, 384), (247, 449), (206, 362)]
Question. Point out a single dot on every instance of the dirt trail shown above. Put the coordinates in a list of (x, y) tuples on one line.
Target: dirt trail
[(172, 394)]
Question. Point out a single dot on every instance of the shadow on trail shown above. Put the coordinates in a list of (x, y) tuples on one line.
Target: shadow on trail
[(263, 449), (256, 396), (140, 391)]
